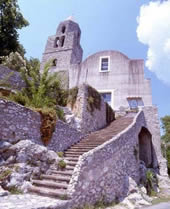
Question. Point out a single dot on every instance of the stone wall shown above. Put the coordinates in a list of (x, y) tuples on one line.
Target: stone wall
[(63, 137), (91, 109), (14, 78), (153, 125), (20, 123), (104, 172)]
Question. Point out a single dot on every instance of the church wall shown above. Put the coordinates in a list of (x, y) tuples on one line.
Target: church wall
[(126, 77)]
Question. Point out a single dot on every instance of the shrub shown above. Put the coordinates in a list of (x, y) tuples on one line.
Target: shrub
[(93, 100), (72, 96), (60, 154), (62, 164), (14, 190), (4, 174), (14, 61)]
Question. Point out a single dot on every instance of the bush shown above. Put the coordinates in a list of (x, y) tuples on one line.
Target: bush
[(62, 164)]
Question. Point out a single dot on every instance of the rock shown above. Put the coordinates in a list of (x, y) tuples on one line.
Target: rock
[(4, 146), (3, 192), (132, 186), (25, 160)]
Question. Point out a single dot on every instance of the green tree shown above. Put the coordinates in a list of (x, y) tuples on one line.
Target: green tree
[(166, 128), (11, 20), (42, 89), (166, 139)]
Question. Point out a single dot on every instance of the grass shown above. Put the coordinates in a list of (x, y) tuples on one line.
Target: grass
[(15, 191), (160, 199), (5, 174)]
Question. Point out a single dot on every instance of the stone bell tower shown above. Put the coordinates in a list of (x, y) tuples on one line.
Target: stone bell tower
[(64, 48)]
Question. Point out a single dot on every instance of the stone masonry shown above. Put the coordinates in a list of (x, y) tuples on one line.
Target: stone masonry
[(104, 172), (20, 123)]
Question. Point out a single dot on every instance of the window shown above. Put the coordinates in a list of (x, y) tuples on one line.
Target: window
[(63, 30), (104, 64), (107, 97), (62, 41), (135, 102), (54, 62), (57, 42)]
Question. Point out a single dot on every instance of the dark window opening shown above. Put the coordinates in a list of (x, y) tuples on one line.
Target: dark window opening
[(63, 30), (134, 103), (104, 64), (62, 41), (145, 147), (57, 42), (107, 97), (54, 62)]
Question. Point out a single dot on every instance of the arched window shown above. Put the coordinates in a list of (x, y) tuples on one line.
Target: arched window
[(54, 62), (63, 30), (62, 41), (145, 147), (57, 42)]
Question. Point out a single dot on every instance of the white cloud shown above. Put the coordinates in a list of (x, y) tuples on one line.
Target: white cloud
[(154, 30)]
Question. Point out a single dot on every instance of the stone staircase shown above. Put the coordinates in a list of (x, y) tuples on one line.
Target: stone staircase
[(55, 184)]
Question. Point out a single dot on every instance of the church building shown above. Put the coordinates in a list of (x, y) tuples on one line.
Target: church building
[(119, 79)]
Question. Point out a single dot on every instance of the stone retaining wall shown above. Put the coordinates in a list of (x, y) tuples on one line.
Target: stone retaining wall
[(20, 123), (92, 117), (104, 171)]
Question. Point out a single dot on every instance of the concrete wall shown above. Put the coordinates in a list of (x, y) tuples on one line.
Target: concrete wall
[(20, 123), (125, 78), (104, 171)]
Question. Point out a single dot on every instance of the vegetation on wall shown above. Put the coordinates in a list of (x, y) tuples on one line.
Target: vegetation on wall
[(93, 99), (42, 93), (166, 139), (110, 114), (11, 20), (72, 96)]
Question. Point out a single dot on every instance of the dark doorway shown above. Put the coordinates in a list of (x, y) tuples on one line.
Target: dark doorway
[(145, 147)]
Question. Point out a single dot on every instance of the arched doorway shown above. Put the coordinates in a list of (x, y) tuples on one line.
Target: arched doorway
[(145, 147)]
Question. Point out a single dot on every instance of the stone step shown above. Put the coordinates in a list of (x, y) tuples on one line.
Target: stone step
[(75, 159), (71, 163), (90, 143), (57, 193), (72, 155), (49, 184), (56, 178), (62, 173), (77, 150), (83, 146), (70, 168), (74, 152)]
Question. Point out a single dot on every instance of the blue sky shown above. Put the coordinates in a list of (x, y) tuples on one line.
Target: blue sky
[(105, 24)]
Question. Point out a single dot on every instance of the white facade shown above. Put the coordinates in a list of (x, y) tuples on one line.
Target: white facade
[(116, 76)]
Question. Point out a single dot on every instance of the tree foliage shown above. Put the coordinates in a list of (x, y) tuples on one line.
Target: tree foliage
[(42, 89), (11, 20), (166, 128), (166, 139)]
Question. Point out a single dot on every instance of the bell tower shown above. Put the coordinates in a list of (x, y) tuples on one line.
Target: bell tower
[(64, 48)]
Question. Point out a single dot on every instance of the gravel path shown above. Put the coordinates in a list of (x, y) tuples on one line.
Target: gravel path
[(164, 205), (29, 201)]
